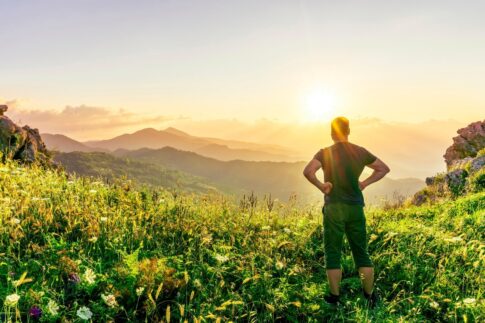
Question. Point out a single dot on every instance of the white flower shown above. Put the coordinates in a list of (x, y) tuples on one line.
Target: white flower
[(12, 299), (89, 276), (454, 239), (287, 230), (93, 191), (221, 258), (93, 239), (110, 300), (139, 291), (266, 227), (84, 313), (70, 182), (15, 221), (53, 308), (103, 219), (469, 301), (434, 305)]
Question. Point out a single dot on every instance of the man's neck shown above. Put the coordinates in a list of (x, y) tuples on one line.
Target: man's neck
[(340, 140)]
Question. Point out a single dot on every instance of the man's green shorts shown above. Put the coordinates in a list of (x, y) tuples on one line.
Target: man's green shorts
[(340, 218)]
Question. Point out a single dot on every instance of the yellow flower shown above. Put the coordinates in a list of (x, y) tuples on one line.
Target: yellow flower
[(89, 276), (110, 300), (139, 291), (53, 308)]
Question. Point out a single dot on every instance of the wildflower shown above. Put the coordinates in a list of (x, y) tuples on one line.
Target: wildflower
[(139, 291), (73, 278), (469, 301), (280, 265), (93, 191), (287, 230), (70, 182), (89, 276), (15, 221), (52, 308), (221, 258), (93, 239), (12, 299), (266, 228), (197, 283), (84, 313), (103, 219), (434, 305), (110, 300), (454, 239), (373, 237), (35, 312)]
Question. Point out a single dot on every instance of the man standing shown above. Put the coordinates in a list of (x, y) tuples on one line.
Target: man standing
[(343, 212)]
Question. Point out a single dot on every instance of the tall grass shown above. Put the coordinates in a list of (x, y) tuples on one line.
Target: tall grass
[(73, 247)]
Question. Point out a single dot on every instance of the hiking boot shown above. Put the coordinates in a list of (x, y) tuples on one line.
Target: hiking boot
[(332, 299), (372, 299)]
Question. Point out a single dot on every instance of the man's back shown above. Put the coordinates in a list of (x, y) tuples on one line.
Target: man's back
[(342, 165)]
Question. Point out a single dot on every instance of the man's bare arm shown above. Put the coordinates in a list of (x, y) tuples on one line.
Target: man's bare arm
[(310, 173), (380, 170)]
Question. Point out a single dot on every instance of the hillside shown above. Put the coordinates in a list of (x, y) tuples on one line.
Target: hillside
[(281, 179), (78, 248), (65, 144), (109, 168)]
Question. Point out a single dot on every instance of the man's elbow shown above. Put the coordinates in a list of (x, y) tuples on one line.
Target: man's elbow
[(307, 173), (386, 169)]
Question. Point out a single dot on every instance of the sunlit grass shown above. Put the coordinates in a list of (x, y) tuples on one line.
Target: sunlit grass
[(78, 249)]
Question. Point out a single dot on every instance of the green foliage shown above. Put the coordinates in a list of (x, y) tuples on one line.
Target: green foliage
[(109, 168), (131, 254), (481, 152), (476, 182)]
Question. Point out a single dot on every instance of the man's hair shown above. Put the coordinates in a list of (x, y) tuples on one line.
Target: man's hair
[(340, 127)]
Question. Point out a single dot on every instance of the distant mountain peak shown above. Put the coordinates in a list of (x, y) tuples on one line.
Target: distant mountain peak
[(147, 131), (175, 131)]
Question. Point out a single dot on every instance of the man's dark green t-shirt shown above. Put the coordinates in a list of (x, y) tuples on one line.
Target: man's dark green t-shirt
[(342, 165)]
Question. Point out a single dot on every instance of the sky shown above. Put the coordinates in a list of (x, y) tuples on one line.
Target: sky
[(149, 62)]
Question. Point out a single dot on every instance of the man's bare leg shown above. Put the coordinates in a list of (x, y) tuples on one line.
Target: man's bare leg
[(334, 277), (367, 276)]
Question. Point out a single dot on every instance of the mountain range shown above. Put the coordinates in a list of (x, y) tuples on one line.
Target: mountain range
[(152, 138), (174, 159)]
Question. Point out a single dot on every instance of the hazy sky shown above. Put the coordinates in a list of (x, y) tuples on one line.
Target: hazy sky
[(397, 60)]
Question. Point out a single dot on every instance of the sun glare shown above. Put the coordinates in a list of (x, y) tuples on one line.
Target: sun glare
[(318, 105)]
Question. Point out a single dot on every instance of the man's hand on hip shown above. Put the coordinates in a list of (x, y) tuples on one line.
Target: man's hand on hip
[(326, 187)]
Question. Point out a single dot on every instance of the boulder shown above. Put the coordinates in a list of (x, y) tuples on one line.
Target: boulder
[(456, 181), (21, 143), (3, 109), (468, 143), (477, 164)]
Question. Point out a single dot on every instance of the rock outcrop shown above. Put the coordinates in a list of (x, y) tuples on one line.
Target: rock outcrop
[(465, 161), (21, 143), (467, 144)]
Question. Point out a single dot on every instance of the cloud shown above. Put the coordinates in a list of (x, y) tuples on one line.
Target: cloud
[(83, 122)]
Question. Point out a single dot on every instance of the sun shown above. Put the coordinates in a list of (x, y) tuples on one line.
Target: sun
[(318, 105)]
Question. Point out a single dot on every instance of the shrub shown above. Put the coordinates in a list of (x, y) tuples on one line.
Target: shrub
[(476, 182)]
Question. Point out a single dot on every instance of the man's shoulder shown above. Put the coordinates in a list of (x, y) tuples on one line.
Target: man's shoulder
[(357, 147)]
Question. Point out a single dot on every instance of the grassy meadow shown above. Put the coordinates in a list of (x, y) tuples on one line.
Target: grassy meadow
[(74, 250)]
